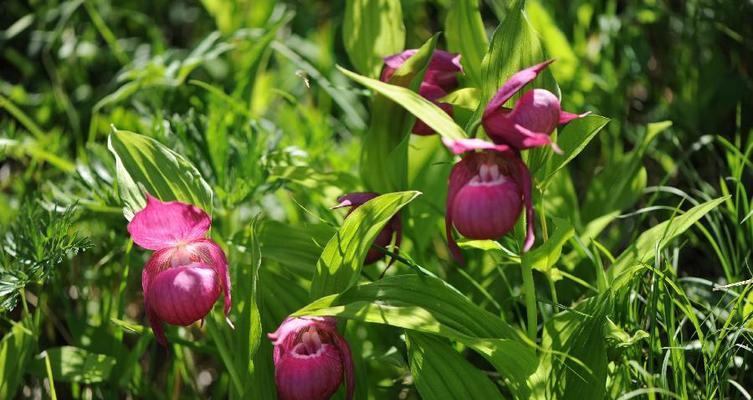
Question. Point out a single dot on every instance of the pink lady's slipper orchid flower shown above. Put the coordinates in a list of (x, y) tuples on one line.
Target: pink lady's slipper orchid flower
[(384, 238), (440, 79), (488, 190), (187, 272), (534, 117), (311, 359)]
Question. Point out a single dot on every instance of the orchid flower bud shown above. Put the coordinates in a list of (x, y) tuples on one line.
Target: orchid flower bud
[(310, 359), (384, 238), (534, 117), (187, 272), (440, 78), (487, 192)]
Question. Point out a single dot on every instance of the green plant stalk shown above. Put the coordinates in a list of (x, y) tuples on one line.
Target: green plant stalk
[(106, 33), (24, 119), (530, 299), (47, 365)]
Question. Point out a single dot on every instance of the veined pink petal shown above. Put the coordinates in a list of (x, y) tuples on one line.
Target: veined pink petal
[(516, 82), (460, 146), (309, 377), (165, 224), (181, 296), (461, 174), (310, 359), (203, 251), (281, 338)]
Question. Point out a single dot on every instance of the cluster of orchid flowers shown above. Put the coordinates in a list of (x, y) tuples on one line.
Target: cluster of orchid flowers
[(488, 190)]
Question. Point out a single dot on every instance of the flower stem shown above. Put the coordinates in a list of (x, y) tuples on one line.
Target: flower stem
[(530, 298)]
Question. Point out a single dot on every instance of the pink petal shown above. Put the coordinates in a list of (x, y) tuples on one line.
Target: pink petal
[(461, 174), (309, 377), (181, 296), (460, 146), (566, 117), (347, 360), (203, 251), (442, 70), (516, 82), (281, 338), (166, 224), (524, 179), (354, 199)]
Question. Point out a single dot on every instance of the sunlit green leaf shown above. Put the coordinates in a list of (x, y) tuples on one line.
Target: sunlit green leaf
[(429, 305), (73, 364), (340, 264), (441, 373), (146, 166), (466, 34), (372, 30), (423, 109), (644, 249)]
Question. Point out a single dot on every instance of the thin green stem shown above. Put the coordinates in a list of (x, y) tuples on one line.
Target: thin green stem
[(530, 298), (47, 365)]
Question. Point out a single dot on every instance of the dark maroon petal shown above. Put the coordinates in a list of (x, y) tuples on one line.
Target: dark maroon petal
[(487, 212), (516, 82), (461, 174), (354, 199), (524, 179)]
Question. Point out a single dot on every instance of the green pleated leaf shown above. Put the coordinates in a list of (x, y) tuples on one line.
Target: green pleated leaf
[(16, 349), (514, 46), (439, 372), (465, 33), (572, 139), (384, 153), (372, 30), (418, 106), (657, 238), (545, 256), (73, 364), (340, 264), (429, 305), (574, 357), (145, 165)]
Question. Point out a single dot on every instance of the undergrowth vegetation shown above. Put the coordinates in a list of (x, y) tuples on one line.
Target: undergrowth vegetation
[(437, 239)]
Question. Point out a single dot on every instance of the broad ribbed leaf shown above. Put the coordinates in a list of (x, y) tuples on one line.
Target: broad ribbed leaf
[(143, 164), (545, 256), (441, 373), (73, 364), (574, 360), (644, 249), (572, 139), (372, 30), (340, 264), (465, 34), (423, 109), (16, 349), (514, 46), (429, 305), (384, 154)]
